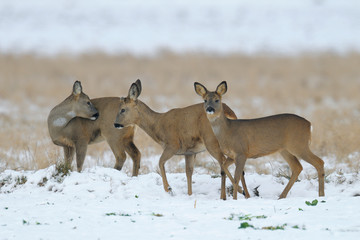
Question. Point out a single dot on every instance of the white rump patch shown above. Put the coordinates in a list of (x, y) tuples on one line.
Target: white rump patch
[(60, 122)]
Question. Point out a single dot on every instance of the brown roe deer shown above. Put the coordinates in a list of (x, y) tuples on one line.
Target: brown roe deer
[(181, 131), (240, 139), (78, 121)]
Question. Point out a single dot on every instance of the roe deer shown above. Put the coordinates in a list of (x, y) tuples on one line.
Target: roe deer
[(240, 139), (180, 131), (72, 125)]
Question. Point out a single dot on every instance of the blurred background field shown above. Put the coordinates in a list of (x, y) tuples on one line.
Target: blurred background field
[(300, 57)]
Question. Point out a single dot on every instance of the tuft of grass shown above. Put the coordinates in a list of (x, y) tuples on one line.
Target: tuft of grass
[(297, 227), (43, 182), (157, 215), (6, 180), (61, 171), (245, 225), (246, 217), (273, 228), (118, 214), (313, 203), (20, 180)]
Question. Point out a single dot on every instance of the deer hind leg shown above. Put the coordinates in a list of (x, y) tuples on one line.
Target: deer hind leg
[(296, 169), (318, 163), (166, 155), (135, 155), (69, 156), (81, 149), (240, 164), (189, 163)]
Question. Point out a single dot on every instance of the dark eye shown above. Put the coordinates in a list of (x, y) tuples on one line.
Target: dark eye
[(89, 103), (122, 110), (205, 100), (217, 100)]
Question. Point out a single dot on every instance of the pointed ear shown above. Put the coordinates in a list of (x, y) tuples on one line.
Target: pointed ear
[(77, 88), (138, 83), (221, 88), (134, 92), (200, 89)]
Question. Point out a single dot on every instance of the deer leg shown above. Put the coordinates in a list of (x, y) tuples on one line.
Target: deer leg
[(296, 169), (240, 163), (212, 146), (223, 183), (166, 155), (81, 149), (189, 163), (69, 156), (118, 149), (318, 163), (135, 155), (230, 161)]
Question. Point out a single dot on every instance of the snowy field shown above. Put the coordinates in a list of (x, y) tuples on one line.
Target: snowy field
[(145, 27), (102, 203)]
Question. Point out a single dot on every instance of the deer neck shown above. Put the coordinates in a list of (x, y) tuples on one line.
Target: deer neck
[(60, 116), (219, 125), (149, 120)]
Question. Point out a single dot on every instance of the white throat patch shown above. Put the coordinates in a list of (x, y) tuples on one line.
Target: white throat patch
[(216, 130), (60, 122)]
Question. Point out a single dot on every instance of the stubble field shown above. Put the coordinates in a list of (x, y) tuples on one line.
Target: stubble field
[(322, 88)]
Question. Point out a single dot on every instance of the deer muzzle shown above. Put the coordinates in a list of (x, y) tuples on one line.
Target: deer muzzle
[(118, 126), (210, 110), (95, 116)]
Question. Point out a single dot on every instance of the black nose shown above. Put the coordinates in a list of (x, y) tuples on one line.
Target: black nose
[(96, 115), (210, 110), (117, 125)]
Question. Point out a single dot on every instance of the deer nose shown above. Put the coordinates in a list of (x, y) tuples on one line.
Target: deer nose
[(95, 116), (210, 110), (118, 126)]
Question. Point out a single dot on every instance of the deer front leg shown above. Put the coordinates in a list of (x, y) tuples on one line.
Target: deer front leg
[(189, 164), (166, 155), (240, 163), (230, 161), (118, 149), (135, 155)]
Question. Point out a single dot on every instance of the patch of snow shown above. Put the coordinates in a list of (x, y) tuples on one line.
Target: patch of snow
[(146, 27), (103, 203)]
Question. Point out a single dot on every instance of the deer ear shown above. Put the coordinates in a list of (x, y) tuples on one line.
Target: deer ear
[(77, 88), (138, 84), (134, 91), (200, 89), (221, 88)]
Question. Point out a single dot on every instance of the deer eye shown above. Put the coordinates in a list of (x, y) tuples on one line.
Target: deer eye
[(217, 100), (205, 100), (88, 103), (122, 110)]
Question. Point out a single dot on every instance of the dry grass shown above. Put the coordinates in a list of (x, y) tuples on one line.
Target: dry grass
[(323, 88)]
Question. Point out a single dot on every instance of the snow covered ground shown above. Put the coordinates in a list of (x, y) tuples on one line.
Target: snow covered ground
[(145, 27), (102, 203)]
